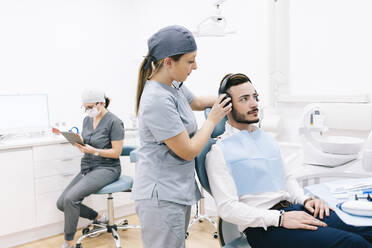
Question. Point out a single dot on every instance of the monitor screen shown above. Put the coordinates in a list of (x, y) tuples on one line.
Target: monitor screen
[(24, 113)]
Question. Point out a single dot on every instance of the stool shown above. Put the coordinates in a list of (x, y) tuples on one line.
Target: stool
[(123, 184)]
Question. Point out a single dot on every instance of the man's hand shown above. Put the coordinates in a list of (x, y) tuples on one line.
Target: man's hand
[(86, 148), (300, 220), (316, 206)]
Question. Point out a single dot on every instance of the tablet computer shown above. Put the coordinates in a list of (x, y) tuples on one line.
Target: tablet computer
[(72, 138)]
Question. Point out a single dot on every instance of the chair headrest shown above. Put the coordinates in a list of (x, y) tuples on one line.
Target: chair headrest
[(220, 127)]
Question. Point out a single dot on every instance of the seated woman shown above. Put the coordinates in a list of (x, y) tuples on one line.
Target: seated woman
[(103, 135)]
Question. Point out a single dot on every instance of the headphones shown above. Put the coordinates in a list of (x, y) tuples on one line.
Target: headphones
[(222, 89)]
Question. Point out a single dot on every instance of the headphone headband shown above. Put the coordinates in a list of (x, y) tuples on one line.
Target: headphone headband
[(222, 88)]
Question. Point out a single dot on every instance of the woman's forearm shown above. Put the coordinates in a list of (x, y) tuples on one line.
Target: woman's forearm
[(187, 148), (202, 102), (109, 153)]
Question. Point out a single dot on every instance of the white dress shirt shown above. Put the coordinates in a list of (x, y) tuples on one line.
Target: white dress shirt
[(248, 210)]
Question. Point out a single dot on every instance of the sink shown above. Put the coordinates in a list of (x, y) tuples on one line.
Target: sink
[(340, 144)]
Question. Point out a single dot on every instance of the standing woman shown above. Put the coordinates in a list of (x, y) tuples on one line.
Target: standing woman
[(103, 135), (164, 186)]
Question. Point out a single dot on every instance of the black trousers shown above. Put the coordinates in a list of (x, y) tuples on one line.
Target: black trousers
[(336, 235)]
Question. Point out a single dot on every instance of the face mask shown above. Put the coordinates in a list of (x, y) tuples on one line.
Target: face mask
[(93, 112)]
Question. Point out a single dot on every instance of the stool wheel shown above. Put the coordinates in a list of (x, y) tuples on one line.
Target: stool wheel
[(91, 228), (200, 221), (124, 223), (94, 228), (78, 246), (186, 235), (85, 231), (215, 235)]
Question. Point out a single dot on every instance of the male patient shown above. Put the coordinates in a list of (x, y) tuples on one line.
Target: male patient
[(252, 188)]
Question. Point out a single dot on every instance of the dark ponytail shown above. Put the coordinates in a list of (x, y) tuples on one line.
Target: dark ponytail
[(145, 74), (107, 101)]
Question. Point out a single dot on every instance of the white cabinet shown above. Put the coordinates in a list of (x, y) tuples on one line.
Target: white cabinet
[(33, 176), (55, 166), (17, 211)]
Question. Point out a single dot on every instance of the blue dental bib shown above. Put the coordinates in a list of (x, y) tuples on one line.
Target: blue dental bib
[(254, 162)]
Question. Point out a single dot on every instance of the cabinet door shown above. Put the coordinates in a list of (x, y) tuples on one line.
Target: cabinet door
[(47, 211), (47, 191), (16, 190)]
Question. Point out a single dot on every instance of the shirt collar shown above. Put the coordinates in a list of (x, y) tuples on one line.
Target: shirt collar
[(230, 130)]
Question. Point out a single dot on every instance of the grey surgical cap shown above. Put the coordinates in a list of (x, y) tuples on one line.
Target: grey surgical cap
[(93, 96), (169, 41)]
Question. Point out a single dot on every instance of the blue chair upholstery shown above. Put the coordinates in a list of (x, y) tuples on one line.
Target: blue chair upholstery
[(219, 128), (200, 165), (229, 237), (127, 150), (124, 183), (131, 152)]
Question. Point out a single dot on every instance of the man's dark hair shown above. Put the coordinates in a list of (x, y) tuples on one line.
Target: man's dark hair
[(230, 80)]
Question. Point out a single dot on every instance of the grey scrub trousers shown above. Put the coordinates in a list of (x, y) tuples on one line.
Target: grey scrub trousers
[(96, 171), (164, 185)]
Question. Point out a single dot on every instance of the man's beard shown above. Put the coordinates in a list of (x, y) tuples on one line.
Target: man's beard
[(238, 117)]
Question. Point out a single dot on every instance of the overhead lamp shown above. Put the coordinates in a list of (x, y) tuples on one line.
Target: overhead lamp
[(214, 25)]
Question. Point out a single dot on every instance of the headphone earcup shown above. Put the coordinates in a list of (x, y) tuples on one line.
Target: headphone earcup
[(227, 96)]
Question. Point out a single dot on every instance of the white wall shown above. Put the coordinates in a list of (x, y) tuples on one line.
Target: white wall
[(322, 54), (63, 47), (330, 46)]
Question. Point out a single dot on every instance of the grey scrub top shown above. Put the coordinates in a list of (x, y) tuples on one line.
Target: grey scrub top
[(108, 129), (164, 112)]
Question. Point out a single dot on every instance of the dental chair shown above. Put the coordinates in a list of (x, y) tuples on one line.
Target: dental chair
[(228, 233), (123, 184)]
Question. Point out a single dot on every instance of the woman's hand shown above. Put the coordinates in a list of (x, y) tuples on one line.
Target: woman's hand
[(86, 148), (218, 110)]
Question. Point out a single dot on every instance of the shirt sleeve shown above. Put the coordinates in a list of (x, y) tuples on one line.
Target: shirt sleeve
[(117, 130), (294, 189), (162, 118), (226, 196), (188, 94)]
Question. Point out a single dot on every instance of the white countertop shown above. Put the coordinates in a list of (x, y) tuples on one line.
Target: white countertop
[(21, 142), (48, 139)]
